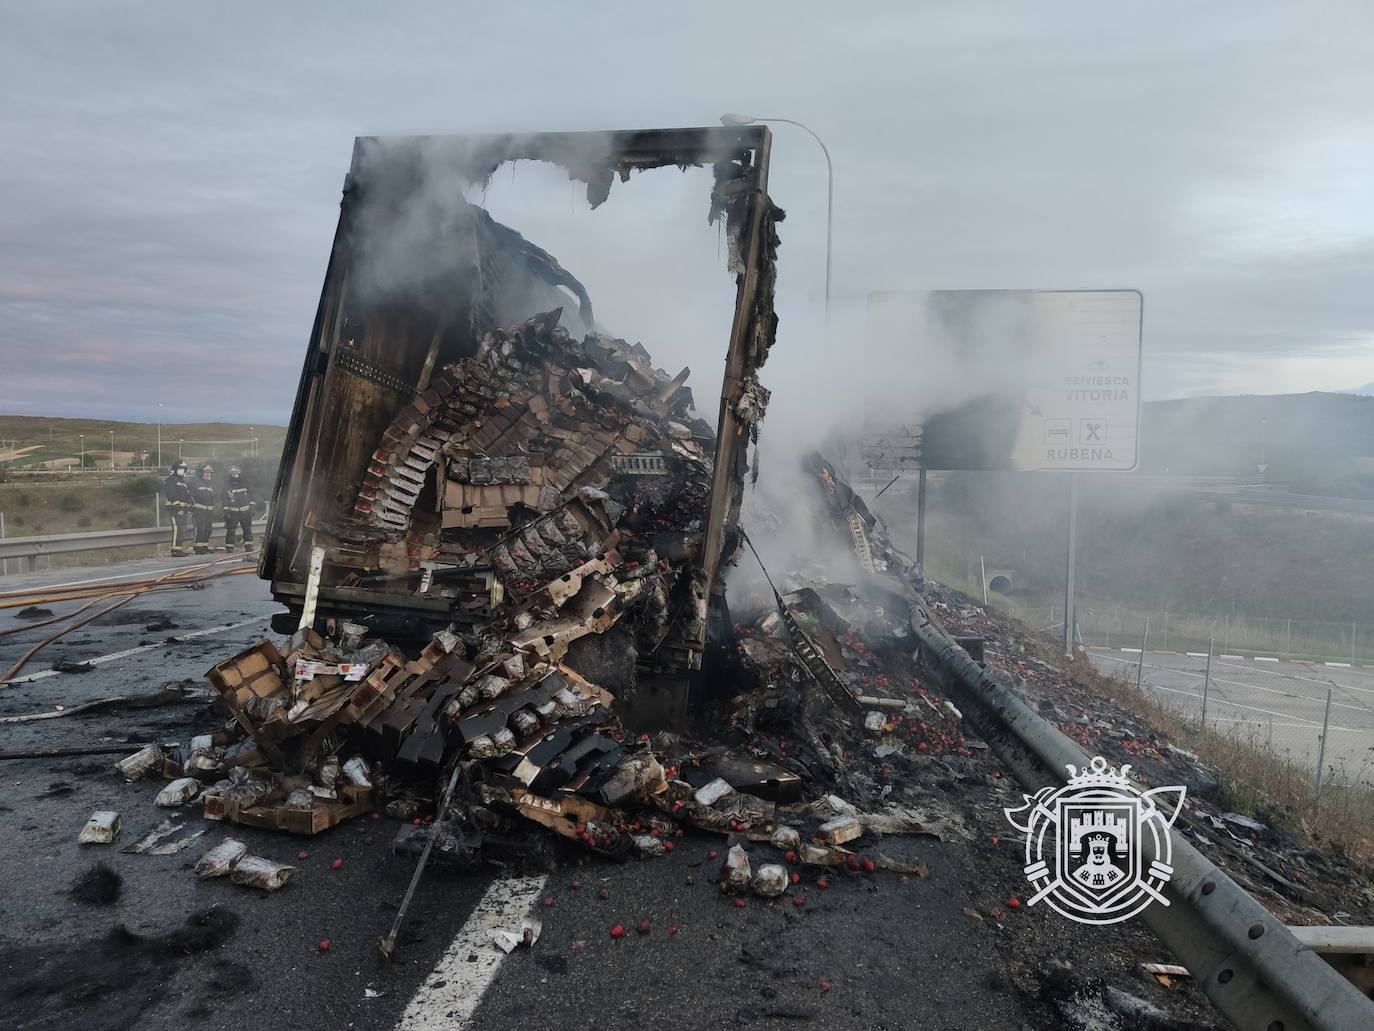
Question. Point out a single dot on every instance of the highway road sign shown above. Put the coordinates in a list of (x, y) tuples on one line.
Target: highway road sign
[(1027, 380)]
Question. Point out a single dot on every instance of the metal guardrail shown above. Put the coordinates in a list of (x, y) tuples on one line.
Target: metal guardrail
[(98, 540), (1248, 963)]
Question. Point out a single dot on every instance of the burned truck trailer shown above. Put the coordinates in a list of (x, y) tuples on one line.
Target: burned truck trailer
[(469, 449)]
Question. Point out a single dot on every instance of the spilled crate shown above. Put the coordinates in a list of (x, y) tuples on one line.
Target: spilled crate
[(323, 813)]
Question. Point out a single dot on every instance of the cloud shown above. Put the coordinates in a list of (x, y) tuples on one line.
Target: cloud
[(171, 174)]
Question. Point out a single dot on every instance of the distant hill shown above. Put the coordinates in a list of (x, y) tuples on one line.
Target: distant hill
[(1317, 443), (31, 441)]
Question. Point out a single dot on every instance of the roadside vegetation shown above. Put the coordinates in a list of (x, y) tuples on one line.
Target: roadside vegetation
[(1258, 783), (29, 441)]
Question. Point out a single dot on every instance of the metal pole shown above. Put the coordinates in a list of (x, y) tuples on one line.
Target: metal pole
[(921, 522), (1288, 646), (4, 563), (731, 119), (1207, 682), (983, 576), (1321, 748), (1069, 546), (159, 434), (1352, 643), (1226, 637), (157, 510), (1140, 666)]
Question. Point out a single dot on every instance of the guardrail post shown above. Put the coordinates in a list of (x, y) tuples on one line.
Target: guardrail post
[(1140, 666), (1206, 684), (1321, 748)]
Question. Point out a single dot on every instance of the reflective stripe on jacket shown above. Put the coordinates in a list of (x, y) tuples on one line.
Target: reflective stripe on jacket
[(236, 500)]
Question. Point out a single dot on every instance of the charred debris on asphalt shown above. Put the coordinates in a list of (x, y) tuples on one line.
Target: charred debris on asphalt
[(501, 539)]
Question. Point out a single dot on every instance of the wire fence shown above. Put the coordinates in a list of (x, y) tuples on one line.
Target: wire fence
[(1293, 692), (1110, 625)]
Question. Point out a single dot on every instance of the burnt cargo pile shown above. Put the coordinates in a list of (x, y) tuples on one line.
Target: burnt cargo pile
[(325, 725), (483, 743), (498, 530)]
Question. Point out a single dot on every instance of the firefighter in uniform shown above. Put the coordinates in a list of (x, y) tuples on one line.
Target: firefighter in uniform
[(203, 499), (238, 510), (176, 495)]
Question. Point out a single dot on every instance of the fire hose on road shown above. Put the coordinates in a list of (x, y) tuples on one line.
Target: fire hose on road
[(125, 591)]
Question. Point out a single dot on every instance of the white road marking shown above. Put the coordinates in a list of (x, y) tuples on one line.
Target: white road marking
[(1196, 655), (1264, 658), (449, 996), (106, 579), (1296, 696), (1322, 682), (1234, 658), (100, 660), (1338, 665)]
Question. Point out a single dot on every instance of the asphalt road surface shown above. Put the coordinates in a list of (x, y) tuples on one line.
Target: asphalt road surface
[(1280, 704), (871, 950), (888, 947)]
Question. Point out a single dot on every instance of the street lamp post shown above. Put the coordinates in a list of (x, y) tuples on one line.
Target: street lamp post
[(159, 435), (83, 450), (737, 119), (111, 450)]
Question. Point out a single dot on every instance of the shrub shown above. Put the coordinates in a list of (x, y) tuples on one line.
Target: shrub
[(84, 522), (70, 503), (137, 487)]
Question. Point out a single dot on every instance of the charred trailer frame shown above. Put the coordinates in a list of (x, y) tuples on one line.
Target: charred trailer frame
[(367, 361)]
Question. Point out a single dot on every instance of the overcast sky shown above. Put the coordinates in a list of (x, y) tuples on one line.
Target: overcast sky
[(170, 173)]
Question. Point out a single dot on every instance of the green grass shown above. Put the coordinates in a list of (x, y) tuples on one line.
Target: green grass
[(94, 501), (71, 507)]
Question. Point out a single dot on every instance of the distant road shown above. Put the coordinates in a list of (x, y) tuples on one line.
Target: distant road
[(1246, 493), (1278, 703)]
